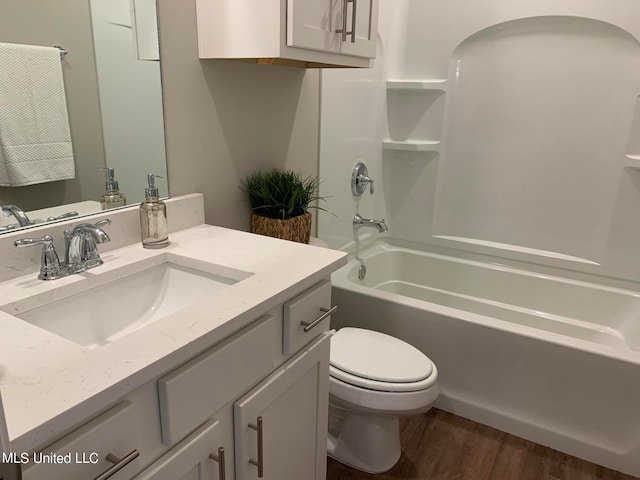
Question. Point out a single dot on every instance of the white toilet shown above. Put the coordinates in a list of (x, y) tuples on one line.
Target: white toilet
[(373, 379)]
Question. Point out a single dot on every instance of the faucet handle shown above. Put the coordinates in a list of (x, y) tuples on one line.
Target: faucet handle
[(28, 242), (103, 223), (363, 180), (63, 216), (49, 262)]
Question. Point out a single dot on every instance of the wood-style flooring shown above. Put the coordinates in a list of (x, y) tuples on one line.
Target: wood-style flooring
[(442, 446)]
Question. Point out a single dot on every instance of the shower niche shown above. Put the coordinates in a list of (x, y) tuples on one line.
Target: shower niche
[(415, 110)]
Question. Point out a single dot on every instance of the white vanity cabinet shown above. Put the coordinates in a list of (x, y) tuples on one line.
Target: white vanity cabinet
[(281, 425), (294, 32), (193, 423), (275, 431), (192, 458), (108, 445)]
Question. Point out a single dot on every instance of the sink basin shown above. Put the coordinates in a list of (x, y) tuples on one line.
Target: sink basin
[(108, 312)]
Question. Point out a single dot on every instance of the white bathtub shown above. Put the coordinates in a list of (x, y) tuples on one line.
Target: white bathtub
[(552, 360)]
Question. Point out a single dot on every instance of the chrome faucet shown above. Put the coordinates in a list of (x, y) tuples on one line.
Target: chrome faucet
[(358, 222), (50, 267), (17, 212), (81, 251)]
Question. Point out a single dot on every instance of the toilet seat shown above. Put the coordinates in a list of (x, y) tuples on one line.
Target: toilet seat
[(369, 384), (375, 361), (411, 402), (379, 357)]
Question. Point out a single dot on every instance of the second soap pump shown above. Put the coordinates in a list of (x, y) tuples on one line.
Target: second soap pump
[(153, 217), (112, 197)]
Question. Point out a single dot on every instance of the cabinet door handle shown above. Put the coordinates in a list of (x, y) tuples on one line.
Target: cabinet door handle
[(118, 464), (221, 465), (260, 462), (353, 22), (327, 312), (343, 30)]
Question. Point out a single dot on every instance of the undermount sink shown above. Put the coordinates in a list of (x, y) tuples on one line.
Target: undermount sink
[(108, 312)]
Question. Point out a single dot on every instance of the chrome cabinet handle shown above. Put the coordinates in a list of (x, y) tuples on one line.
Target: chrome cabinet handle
[(343, 30), (118, 464), (353, 22), (327, 312), (221, 465), (260, 463)]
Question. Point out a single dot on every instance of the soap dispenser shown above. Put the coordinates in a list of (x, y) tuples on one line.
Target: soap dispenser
[(112, 197), (153, 217)]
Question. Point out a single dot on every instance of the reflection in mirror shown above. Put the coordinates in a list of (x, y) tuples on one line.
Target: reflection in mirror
[(111, 80)]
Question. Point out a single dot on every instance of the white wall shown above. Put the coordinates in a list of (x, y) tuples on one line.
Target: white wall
[(226, 119), (535, 133)]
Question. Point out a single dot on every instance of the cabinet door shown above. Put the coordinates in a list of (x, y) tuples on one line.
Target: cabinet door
[(312, 24), (190, 459), (291, 406), (365, 23)]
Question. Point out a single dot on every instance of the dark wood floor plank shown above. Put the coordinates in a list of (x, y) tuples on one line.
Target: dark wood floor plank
[(442, 446)]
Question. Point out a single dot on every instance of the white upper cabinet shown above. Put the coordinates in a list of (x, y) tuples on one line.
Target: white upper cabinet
[(311, 33), (348, 27), (361, 18), (312, 24)]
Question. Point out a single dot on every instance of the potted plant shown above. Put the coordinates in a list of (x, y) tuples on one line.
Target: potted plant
[(280, 200)]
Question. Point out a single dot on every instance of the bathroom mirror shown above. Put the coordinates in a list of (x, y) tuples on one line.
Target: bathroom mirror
[(111, 74)]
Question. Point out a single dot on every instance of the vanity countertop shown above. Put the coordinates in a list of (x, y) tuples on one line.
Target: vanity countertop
[(49, 383)]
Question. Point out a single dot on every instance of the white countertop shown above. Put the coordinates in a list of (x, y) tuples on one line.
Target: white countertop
[(49, 383)]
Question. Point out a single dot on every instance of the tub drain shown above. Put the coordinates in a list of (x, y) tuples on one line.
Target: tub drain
[(362, 272)]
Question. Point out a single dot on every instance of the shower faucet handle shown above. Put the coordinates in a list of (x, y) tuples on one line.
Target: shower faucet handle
[(360, 179), (364, 180)]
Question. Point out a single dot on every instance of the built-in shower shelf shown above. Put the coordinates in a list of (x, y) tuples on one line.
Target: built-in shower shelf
[(437, 85), (411, 145), (633, 161)]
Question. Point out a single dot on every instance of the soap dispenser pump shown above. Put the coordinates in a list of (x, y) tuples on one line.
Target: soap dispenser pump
[(112, 197), (153, 217)]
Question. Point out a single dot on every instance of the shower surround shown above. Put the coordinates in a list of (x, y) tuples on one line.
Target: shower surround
[(502, 137)]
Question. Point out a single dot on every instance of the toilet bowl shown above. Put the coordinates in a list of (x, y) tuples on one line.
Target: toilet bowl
[(373, 380)]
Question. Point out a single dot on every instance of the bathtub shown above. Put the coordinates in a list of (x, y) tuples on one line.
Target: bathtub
[(552, 360)]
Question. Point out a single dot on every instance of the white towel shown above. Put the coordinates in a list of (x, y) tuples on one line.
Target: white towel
[(35, 140)]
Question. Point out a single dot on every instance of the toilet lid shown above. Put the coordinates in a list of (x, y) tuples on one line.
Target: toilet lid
[(379, 357)]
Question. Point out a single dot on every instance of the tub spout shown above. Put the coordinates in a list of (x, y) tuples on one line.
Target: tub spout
[(358, 222)]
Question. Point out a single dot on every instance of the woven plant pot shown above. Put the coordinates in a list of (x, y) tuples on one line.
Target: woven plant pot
[(297, 229)]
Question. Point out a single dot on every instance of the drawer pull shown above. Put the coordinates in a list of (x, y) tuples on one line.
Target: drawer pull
[(220, 459), (327, 312), (260, 462), (118, 464)]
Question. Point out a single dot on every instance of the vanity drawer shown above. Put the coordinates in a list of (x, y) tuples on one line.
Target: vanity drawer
[(113, 433), (308, 311), (193, 392)]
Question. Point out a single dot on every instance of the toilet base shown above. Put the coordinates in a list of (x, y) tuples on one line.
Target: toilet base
[(367, 442)]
